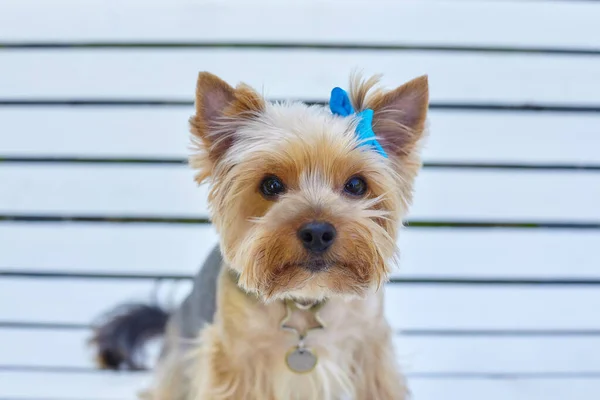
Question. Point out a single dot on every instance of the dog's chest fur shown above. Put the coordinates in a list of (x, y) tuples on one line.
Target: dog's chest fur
[(254, 341)]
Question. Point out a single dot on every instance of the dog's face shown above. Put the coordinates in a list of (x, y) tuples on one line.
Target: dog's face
[(303, 210)]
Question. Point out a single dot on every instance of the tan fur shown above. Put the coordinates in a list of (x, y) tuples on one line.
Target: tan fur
[(239, 104), (241, 355), (355, 352)]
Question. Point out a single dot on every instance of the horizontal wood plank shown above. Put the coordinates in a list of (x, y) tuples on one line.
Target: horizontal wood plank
[(124, 386), (25, 385), (505, 388), (407, 307), (180, 249), (70, 349), (385, 22), (164, 74), (162, 133), (455, 195), (127, 187)]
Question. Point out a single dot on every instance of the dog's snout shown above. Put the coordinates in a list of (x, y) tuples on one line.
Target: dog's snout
[(317, 236)]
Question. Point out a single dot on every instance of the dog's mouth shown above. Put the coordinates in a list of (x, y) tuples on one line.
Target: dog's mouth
[(316, 265), (315, 278)]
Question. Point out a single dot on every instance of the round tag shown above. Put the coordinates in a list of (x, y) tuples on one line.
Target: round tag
[(301, 360)]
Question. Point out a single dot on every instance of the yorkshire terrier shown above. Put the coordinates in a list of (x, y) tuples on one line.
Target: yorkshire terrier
[(307, 201)]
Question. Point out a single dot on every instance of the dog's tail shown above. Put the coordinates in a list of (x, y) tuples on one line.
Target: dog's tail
[(120, 335)]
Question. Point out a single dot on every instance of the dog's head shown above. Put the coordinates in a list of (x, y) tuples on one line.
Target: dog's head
[(302, 208)]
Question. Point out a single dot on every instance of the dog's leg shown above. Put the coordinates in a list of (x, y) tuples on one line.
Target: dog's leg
[(170, 380), (214, 378), (378, 375), (220, 375)]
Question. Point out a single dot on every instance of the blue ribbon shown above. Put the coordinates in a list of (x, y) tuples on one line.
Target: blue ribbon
[(339, 103)]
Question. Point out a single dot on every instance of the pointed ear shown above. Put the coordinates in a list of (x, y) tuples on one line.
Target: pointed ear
[(220, 109), (400, 115), (213, 95)]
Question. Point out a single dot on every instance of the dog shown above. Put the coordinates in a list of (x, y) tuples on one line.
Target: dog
[(308, 202)]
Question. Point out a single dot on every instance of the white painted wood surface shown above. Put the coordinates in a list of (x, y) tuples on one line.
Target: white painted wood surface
[(169, 190), (140, 132), (429, 22), (110, 386), (165, 74), (147, 249), (45, 348), (518, 341), (407, 306)]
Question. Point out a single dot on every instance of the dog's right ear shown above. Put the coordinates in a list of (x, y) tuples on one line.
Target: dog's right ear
[(220, 109)]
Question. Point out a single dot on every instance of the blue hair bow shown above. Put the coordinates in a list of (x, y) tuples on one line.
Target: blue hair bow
[(339, 103)]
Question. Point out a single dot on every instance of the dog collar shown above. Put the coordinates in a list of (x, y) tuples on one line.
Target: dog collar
[(300, 358), (340, 104)]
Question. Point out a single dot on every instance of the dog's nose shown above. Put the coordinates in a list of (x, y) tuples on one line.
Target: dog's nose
[(317, 236)]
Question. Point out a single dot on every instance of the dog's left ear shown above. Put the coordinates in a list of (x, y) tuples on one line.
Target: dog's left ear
[(220, 109), (399, 116)]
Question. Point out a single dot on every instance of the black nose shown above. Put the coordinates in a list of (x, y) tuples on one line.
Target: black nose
[(317, 236)]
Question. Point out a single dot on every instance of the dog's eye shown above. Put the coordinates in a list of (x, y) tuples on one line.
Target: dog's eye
[(272, 186), (356, 186)]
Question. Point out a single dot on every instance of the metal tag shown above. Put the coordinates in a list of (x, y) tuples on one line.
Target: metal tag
[(301, 360)]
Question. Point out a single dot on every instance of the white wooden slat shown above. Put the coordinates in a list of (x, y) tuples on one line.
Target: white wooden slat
[(497, 355), (136, 190), (168, 190), (96, 132), (73, 302), (456, 136), (512, 138), (306, 74), (17, 385), (81, 248), (389, 22), (408, 306), (70, 349), (504, 389), (181, 249), (125, 386), (493, 307), (46, 348)]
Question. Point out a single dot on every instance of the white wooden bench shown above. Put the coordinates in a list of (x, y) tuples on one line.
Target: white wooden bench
[(499, 288)]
